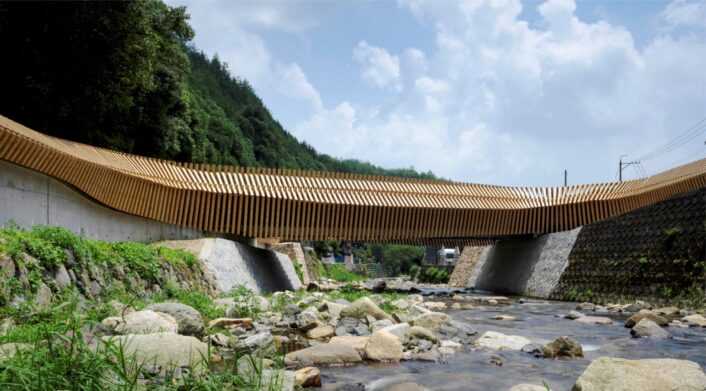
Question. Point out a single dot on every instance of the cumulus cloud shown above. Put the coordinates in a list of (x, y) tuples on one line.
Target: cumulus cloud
[(294, 83), (379, 67), (685, 13), (500, 101)]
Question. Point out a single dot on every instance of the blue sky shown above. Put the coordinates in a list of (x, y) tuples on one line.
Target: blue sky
[(502, 92)]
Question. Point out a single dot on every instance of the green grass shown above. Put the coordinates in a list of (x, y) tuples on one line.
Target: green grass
[(339, 273)]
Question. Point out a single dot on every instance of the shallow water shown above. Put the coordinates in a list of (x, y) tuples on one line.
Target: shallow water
[(470, 369)]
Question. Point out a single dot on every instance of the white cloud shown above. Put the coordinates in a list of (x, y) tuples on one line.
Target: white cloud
[(294, 83), (499, 101), (685, 13), (379, 67)]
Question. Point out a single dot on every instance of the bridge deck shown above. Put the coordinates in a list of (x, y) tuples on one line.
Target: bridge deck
[(289, 204)]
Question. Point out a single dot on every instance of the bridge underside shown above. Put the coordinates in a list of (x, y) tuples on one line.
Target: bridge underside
[(284, 204)]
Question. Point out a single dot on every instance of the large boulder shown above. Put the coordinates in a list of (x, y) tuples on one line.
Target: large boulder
[(400, 330), (594, 320), (323, 354), (695, 320), (422, 333), (495, 340), (383, 346), (142, 322), (356, 342), (190, 321), (432, 320), (165, 350), (648, 328), (607, 373), (363, 307), (632, 321), (562, 347)]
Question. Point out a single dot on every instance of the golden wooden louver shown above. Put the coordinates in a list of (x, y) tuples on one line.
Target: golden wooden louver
[(285, 204)]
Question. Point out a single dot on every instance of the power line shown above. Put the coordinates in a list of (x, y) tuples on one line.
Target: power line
[(684, 159), (692, 132)]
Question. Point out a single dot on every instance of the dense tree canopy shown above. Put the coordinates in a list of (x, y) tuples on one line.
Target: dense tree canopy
[(121, 75)]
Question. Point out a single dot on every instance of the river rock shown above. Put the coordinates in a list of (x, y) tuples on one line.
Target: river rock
[(323, 354), (190, 321), (351, 326), (585, 306), (400, 330), (231, 323), (255, 341), (696, 320), (378, 286), (325, 331), (356, 342), (400, 304), (383, 346), (666, 311), (434, 305), (594, 320), (648, 328), (632, 321), (432, 320), (167, 350), (504, 317), (607, 373), (142, 322), (499, 341), (308, 377), (574, 315), (422, 333), (636, 306), (527, 387), (380, 324), (364, 307), (406, 386), (562, 347), (334, 309), (352, 387)]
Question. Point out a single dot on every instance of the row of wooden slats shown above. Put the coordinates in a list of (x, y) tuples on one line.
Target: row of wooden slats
[(305, 205)]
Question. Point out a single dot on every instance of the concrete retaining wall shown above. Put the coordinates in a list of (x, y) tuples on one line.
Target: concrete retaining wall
[(527, 266), (29, 198), (231, 263)]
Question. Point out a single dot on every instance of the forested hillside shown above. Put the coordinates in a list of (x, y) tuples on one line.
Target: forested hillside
[(122, 75)]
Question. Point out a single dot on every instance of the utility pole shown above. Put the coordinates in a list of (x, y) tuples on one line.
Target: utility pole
[(565, 174), (621, 166)]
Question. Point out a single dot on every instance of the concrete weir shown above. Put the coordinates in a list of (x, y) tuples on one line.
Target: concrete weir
[(528, 266)]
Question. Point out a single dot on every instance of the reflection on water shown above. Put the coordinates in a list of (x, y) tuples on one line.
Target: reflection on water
[(471, 369)]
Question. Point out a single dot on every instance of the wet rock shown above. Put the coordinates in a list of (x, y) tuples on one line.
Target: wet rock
[(594, 320), (432, 355), (167, 350), (562, 347), (432, 320), (607, 373), (648, 328), (533, 348), (456, 331), (190, 321), (456, 306), (632, 321), (142, 322), (694, 320), (434, 305), (320, 332), (351, 326), (364, 307), (492, 302), (383, 346), (504, 317), (574, 315), (308, 377), (323, 354), (356, 342), (585, 306), (499, 341), (422, 333)]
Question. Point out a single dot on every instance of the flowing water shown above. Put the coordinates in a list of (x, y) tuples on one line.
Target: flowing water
[(471, 369)]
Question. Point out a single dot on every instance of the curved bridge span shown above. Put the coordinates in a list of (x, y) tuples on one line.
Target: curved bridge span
[(284, 204)]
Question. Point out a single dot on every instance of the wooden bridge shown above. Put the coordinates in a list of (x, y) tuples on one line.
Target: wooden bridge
[(284, 204)]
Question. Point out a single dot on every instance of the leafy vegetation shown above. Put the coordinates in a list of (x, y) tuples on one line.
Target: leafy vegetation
[(432, 275), (122, 75)]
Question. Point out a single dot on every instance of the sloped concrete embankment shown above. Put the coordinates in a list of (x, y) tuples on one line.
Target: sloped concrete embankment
[(230, 264)]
